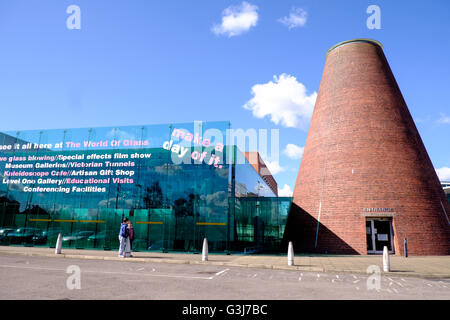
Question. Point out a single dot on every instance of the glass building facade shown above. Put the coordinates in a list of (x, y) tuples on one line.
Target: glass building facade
[(177, 183)]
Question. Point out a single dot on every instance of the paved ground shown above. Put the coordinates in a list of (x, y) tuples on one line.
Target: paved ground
[(38, 277), (415, 266)]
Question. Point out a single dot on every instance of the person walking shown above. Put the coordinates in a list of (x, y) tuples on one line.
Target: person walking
[(131, 234), (129, 239), (123, 236)]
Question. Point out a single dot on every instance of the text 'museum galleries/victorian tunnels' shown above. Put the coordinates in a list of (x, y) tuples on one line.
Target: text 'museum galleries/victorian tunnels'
[(177, 183)]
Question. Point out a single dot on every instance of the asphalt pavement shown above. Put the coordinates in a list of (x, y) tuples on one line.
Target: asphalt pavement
[(414, 266), (39, 277)]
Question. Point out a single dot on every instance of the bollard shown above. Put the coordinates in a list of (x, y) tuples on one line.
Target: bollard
[(290, 254), (58, 244), (386, 261), (205, 250), (405, 246)]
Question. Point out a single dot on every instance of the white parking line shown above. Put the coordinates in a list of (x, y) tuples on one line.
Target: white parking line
[(112, 272), (36, 268), (396, 282), (220, 272)]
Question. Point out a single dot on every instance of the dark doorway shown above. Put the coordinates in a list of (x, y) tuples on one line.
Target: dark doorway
[(379, 234)]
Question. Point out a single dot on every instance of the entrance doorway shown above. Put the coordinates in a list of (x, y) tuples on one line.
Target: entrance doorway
[(379, 234)]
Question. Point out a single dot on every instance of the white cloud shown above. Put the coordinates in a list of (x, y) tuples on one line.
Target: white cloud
[(293, 151), (285, 100), (285, 192), (109, 203), (120, 135), (444, 118), (237, 20), (274, 167), (297, 18), (443, 173), (213, 201)]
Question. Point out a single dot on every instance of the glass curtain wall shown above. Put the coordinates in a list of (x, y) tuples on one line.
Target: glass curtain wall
[(171, 181), (260, 223), (83, 182)]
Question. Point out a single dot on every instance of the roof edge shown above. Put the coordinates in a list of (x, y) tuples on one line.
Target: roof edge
[(371, 41)]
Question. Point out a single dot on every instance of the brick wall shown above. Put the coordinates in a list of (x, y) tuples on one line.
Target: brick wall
[(363, 150)]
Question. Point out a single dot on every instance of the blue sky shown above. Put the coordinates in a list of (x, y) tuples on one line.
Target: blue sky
[(143, 62)]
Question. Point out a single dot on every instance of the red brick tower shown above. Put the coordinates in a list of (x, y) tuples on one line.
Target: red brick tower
[(365, 179)]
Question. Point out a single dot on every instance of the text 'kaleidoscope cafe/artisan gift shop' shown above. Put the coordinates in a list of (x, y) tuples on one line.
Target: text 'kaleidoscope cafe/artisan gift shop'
[(177, 183)]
